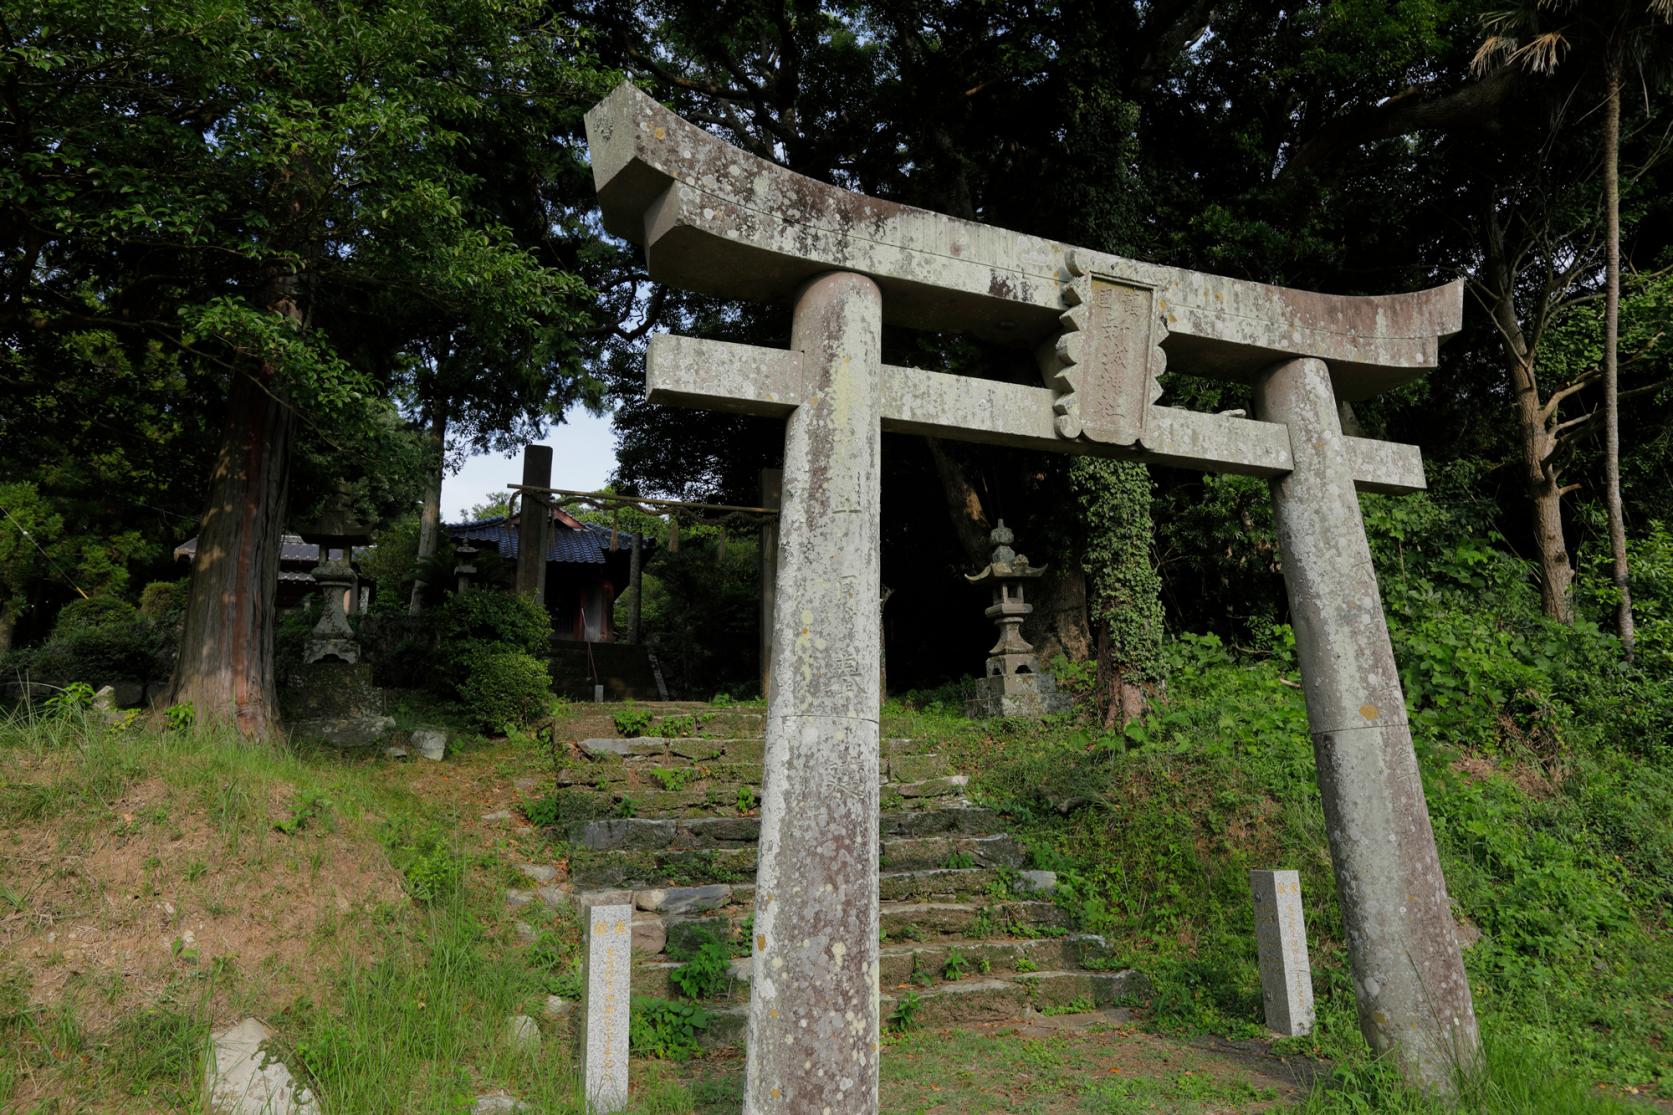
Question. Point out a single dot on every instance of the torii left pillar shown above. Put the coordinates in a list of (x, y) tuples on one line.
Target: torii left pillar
[(813, 1020)]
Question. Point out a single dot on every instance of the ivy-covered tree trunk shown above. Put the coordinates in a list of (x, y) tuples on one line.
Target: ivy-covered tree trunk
[(1124, 600)]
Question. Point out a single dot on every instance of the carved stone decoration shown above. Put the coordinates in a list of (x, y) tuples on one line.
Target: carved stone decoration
[(1105, 363)]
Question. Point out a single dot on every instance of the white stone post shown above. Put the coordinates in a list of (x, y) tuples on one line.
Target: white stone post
[(1281, 944), (606, 986), (813, 1011), (1413, 997)]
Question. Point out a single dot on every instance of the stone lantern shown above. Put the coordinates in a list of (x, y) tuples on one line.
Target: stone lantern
[(337, 530), (1012, 684), (331, 697), (464, 564)]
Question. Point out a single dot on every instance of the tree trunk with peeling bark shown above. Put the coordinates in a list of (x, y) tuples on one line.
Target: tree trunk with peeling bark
[(225, 666), (429, 519)]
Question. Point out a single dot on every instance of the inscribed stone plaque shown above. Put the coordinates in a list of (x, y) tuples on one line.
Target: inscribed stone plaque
[(1281, 937), (604, 1005)]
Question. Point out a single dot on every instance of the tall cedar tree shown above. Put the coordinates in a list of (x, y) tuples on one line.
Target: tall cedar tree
[(279, 192)]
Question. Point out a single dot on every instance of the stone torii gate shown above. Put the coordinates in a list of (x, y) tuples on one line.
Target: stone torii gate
[(717, 220)]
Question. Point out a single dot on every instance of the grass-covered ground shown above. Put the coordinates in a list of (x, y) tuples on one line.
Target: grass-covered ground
[(158, 882), (155, 884)]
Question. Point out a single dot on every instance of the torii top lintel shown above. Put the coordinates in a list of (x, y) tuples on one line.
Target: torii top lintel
[(715, 219)]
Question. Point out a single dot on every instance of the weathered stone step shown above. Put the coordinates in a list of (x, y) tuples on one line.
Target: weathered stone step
[(902, 754), (937, 883), (652, 869), (963, 1002), (933, 865), (1004, 957), (915, 921), (910, 775), (711, 797), (652, 833), (999, 1000), (922, 967), (906, 924), (914, 853)]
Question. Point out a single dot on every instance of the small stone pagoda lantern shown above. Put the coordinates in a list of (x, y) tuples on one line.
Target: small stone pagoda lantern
[(1013, 684), (337, 530), (464, 564), (331, 696)]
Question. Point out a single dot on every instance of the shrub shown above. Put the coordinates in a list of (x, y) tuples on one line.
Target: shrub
[(507, 688), (98, 640), (480, 622), (164, 602)]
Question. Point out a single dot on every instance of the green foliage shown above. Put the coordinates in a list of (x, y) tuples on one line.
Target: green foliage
[(483, 621), (506, 689), (76, 697), (1542, 785), (556, 956), (708, 973), (665, 1029), (677, 727), (746, 799), (99, 640), (180, 717), (700, 610), (905, 1016), (675, 778), (430, 863), (953, 968), (310, 806), (631, 720)]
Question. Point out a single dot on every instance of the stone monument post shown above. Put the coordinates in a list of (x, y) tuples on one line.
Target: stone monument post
[(1101, 329), (1281, 948), (534, 523), (607, 949), (813, 1025)]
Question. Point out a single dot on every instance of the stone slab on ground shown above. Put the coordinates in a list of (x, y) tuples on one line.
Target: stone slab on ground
[(683, 900), (242, 1080), (523, 1031), (431, 743)]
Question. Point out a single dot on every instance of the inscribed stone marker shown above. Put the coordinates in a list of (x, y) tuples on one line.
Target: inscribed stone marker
[(1281, 938), (604, 1006)]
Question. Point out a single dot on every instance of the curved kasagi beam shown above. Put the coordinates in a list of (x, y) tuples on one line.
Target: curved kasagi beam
[(720, 221)]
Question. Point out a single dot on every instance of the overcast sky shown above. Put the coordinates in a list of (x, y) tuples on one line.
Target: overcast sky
[(583, 456)]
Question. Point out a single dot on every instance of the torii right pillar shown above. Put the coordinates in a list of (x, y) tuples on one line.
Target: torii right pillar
[(1414, 1000)]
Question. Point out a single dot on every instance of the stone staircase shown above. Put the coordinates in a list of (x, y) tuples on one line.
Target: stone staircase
[(669, 822)]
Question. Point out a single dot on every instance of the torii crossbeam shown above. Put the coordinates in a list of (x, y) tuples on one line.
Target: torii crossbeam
[(1102, 328)]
